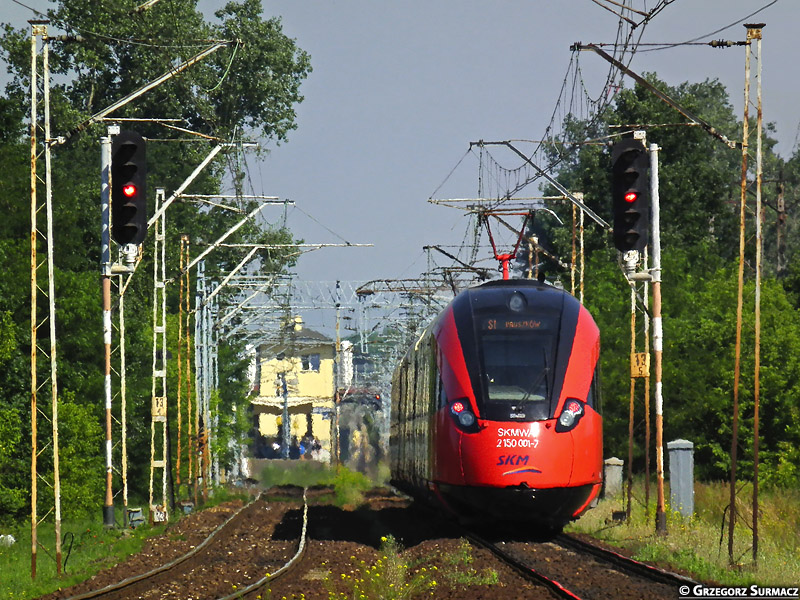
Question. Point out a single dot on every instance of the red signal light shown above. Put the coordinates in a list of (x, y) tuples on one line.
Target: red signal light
[(129, 190), (457, 407), (631, 196)]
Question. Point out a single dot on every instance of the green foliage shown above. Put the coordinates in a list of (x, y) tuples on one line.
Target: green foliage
[(13, 492), (88, 547), (81, 441), (698, 545), (460, 574), (249, 88), (298, 472), (349, 486), (699, 197), (394, 576)]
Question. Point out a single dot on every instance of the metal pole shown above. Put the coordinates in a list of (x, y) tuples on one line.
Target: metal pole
[(197, 449), (285, 418), (583, 254), (213, 338), (631, 400), (123, 401), (187, 310), (105, 283), (207, 386), (36, 29), (759, 260), (574, 257), (658, 339), (739, 300), (646, 399), (51, 292), (179, 391)]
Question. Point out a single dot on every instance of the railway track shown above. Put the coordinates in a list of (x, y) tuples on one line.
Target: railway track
[(276, 547), (576, 569), (209, 569)]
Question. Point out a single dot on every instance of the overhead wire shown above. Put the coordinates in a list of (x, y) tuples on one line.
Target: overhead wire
[(625, 46), (712, 33), (574, 104)]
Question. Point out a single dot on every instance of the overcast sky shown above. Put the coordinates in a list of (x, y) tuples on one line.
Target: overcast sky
[(399, 89)]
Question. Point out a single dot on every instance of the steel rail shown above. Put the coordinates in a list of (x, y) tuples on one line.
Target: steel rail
[(526, 571), (136, 578), (625, 563), (285, 568)]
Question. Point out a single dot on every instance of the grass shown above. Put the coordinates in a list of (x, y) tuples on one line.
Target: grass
[(699, 545), (394, 577), (348, 485), (88, 547)]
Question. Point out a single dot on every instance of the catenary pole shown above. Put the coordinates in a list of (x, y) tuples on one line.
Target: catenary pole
[(51, 294), (739, 302), (756, 29), (658, 339), (105, 286)]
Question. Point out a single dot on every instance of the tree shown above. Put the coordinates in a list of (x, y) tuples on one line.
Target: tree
[(247, 89), (699, 190)]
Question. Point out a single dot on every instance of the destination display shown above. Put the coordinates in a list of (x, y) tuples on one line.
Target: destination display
[(506, 324)]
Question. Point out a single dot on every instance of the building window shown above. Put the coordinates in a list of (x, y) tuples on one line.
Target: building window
[(310, 362)]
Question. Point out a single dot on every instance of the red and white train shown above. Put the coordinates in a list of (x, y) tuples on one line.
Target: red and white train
[(495, 408)]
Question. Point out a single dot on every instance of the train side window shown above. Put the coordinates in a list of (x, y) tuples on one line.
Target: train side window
[(442, 394), (593, 398)]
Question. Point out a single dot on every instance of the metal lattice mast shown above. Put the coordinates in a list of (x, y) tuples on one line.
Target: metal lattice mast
[(213, 371), (158, 419), (201, 379), (39, 29), (179, 387)]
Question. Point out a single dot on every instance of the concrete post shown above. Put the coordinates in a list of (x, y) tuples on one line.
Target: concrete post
[(612, 477), (681, 476)]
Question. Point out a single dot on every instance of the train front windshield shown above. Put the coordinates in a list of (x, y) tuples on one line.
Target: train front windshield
[(517, 358)]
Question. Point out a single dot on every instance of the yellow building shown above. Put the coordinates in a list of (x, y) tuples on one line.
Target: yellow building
[(305, 361)]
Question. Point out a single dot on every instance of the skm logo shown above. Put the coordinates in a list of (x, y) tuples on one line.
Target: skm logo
[(513, 460)]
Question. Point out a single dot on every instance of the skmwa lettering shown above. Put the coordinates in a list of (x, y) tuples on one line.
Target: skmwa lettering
[(502, 432), (512, 459)]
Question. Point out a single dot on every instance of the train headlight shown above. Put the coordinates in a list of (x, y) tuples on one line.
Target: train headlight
[(572, 413), (466, 418), (463, 416)]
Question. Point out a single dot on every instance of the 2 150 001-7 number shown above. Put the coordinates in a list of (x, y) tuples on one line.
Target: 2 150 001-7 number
[(517, 443)]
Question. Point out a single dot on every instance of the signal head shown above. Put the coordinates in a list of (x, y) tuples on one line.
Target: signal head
[(630, 195), (128, 188)]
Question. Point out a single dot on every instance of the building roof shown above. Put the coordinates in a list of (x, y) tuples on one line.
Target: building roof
[(298, 338)]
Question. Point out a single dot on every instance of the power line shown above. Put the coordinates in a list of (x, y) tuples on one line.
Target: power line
[(715, 32)]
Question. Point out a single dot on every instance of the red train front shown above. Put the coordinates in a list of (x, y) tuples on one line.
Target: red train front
[(495, 407)]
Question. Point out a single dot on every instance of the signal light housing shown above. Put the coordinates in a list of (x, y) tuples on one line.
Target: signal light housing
[(630, 188), (128, 188)]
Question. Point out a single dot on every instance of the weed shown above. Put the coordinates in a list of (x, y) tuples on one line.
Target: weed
[(699, 545), (390, 578), (458, 575), (394, 577)]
